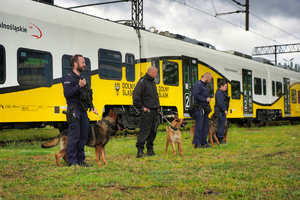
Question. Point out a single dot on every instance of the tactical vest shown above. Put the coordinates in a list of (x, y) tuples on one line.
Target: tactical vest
[(226, 101), (85, 97)]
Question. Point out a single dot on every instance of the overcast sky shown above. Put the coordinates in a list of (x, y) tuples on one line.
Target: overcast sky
[(272, 22)]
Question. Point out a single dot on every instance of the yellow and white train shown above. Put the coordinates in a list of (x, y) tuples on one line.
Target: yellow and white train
[(37, 41)]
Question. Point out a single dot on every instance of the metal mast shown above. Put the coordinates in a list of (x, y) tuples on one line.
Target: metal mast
[(137, 13), (276, 49)]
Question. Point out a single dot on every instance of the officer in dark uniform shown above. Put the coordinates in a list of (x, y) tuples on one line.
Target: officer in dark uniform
[(145, 98), (221, 108), (79, 99), (202, 109)]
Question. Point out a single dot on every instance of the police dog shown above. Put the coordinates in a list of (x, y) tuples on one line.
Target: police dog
[(174, 134), (212, 130), (98, 136)]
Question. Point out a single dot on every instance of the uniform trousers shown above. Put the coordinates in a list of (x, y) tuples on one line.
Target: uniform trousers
[(148, 128), (221, 124), (77, 137), (201, 129)]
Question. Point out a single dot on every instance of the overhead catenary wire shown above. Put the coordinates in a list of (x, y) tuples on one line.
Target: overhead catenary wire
[(197, 9)]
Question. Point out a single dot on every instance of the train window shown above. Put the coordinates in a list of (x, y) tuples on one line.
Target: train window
[(219, 80), (130, 67), (278, 88), (66, 68), (273, 88), (298, 96), (236, 90), (2, 64), (110, 64), (264, 87), (257, 86), (34, 67), (194, 74), (156, 65), (210, 87), (170, 73), (294, 96)]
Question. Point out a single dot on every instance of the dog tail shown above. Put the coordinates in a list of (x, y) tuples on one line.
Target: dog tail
[(55, 141), (189, 135)]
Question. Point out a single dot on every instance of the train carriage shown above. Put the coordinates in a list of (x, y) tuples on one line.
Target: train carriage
[(37, 41)]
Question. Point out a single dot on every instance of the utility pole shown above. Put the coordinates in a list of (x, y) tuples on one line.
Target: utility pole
[(246, 11), (137, 13), (247, 16)]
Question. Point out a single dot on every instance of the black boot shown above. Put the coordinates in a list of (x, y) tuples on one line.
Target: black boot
[(140, 154), (221, 141), (150, 152)]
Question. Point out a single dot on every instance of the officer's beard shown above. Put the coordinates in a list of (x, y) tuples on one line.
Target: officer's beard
[(80, 69)]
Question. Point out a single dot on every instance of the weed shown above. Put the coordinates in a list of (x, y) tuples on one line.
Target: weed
[(260, 163)]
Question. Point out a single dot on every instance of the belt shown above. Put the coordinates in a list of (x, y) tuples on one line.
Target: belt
[(73, 107)]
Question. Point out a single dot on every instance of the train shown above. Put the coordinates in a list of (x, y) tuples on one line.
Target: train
[(38, 40)]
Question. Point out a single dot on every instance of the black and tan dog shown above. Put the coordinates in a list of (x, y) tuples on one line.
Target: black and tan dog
[(212, 130), (174, 134), (98, 136)]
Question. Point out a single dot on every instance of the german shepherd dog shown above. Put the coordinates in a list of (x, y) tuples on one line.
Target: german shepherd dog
[(174, 134), (212, 130), (98, 136)]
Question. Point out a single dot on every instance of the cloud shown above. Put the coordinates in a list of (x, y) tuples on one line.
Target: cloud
[(271, 22)]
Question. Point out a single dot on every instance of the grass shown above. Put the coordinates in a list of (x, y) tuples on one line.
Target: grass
[(257, 163)]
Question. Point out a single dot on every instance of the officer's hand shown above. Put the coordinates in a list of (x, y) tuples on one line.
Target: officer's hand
[(226, 112), (95, 111), (82, 82), (208, 99), (146, 109)]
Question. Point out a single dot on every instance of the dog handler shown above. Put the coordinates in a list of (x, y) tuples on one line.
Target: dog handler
[(145, 98), (79, 99), (221, 108), (202, 109)]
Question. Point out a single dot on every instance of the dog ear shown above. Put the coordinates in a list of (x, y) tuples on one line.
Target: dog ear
[(176, 117)]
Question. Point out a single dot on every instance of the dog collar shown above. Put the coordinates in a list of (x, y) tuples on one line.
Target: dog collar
[(175, 129), (108, 123)]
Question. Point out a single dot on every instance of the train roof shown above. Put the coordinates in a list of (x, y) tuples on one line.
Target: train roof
[(175, 36)]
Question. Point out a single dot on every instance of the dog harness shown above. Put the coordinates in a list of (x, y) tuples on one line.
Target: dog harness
[(175, 129)]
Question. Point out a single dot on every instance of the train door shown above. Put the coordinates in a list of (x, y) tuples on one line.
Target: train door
[(286, 90), (247, 93), (190, 77)]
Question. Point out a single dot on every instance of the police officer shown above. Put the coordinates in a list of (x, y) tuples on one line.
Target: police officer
[(221, 108), (201, 102), (145, 98), (76, 93)]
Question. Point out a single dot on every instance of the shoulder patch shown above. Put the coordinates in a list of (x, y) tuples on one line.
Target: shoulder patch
[(67, 82), (141, 80)]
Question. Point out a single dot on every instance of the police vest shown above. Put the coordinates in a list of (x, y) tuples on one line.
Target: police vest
[(85, 97), (226, 101)]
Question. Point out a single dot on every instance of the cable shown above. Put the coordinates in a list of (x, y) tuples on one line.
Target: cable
[(233, 4), (228, 21), (274, 26), (213, 6), (262, 19)]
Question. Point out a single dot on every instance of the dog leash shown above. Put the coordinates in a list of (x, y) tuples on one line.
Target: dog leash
[(164, 117), (175, 129), (99, 116)]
